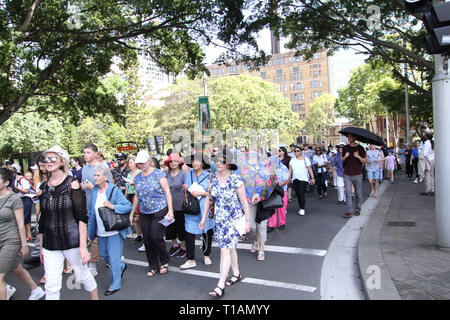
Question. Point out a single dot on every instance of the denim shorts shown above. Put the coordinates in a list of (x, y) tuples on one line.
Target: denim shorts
[(373, 174)]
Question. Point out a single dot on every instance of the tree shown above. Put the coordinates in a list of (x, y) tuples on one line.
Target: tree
[(61, 50), (236, 103), (321, 117), (381, 29)]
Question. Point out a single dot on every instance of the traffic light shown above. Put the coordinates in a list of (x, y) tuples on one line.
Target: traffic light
[(436, 18)]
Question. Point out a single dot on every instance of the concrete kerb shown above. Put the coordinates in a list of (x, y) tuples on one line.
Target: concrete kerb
[(375, 277), (341, 276)]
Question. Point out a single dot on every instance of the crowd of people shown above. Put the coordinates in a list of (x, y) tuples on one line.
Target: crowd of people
[(176, 199)]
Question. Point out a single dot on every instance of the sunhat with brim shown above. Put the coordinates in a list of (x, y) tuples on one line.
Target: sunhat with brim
[(142, 157), (17, 167), (173, 157), (59, 151), (228, 156), (199, 157)]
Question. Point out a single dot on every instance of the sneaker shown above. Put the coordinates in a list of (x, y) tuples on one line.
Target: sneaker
[(301, 212), (138, 239), (188, 264), (420, 180), (416, 181), (142, 248), (36, 294), (207, 260), (357, 213), (174, 250), (181, 253), (10, 290)]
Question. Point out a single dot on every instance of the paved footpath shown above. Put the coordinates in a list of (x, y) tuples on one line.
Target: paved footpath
[(399, 245)]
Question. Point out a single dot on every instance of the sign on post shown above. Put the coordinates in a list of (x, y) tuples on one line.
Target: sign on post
[(203, 115), (159, 141)]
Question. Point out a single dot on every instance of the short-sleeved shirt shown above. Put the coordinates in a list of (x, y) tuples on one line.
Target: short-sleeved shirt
[(352, 165), (336, 162), (373, 157), (9, 230), (320, 160), (300, 169), (149, 192), (282, 174), (119, 175)]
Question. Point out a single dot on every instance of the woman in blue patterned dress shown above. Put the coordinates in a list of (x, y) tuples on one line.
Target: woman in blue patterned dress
[(230, 204)]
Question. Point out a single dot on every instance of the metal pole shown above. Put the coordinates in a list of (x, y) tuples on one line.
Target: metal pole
[(387, 132), (441, 105), (408, 137), (205, 92)]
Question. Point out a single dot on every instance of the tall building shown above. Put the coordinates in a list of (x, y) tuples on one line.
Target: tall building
[(299, 80)]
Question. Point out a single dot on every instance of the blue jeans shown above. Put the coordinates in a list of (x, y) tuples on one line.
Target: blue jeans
[(111, 251)]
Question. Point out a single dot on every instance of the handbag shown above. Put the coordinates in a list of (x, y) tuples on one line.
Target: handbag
[(111, 220), (275, 201), (191, 205)]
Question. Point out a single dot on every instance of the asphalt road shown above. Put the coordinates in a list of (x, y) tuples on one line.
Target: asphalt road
[(291, 271)]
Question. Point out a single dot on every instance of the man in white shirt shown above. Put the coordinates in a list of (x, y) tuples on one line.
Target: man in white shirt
[(428, 154)]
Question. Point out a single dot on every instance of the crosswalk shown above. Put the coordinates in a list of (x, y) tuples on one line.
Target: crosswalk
[(249, 280)]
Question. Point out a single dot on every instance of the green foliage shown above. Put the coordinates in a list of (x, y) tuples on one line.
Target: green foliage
[(321, 116), (62, 53)]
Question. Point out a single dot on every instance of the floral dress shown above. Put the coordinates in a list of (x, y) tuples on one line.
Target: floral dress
[(227, 210)]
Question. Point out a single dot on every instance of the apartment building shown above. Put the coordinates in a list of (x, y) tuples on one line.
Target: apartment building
[(299, 80)]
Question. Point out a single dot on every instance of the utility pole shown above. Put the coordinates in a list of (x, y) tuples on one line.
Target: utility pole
[(441, 106)]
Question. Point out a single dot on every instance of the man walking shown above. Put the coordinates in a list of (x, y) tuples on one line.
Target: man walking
[(121, 171), (354, 156)]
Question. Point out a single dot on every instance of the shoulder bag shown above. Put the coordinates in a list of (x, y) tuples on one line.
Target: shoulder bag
[(111, 220), (191, 205)]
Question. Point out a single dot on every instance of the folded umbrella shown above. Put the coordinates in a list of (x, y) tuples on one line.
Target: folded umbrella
[(363, 135)]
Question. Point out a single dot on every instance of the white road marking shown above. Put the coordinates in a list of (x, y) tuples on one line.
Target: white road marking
[(276, 284), (270, 248)]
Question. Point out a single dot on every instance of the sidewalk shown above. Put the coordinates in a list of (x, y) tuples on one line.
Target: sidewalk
[(397, 255)]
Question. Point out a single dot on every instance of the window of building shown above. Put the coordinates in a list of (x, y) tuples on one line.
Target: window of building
[(295, 73), (279, 75), (263, 75)]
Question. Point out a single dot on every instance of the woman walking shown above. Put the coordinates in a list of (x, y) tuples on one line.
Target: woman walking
[(155, 201), (301, 174), (230, 209), (409, 162), (13, 238), (283, 180), (198, 175), (320, 161), (175, 178), (110, 243), (63, 226)]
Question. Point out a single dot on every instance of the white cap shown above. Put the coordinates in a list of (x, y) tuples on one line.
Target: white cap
[(334, 150), (17, 167), (34, 167), (59, 151), (142, 157)]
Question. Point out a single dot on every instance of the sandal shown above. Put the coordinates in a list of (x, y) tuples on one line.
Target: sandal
[(254, 248), (216, 294), (151, 273), (164, 269), (231, 282), (261, 256)]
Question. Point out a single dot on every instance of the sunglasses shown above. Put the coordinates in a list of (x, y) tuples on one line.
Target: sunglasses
[(50, 159), (222, 161), (297, 151)]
